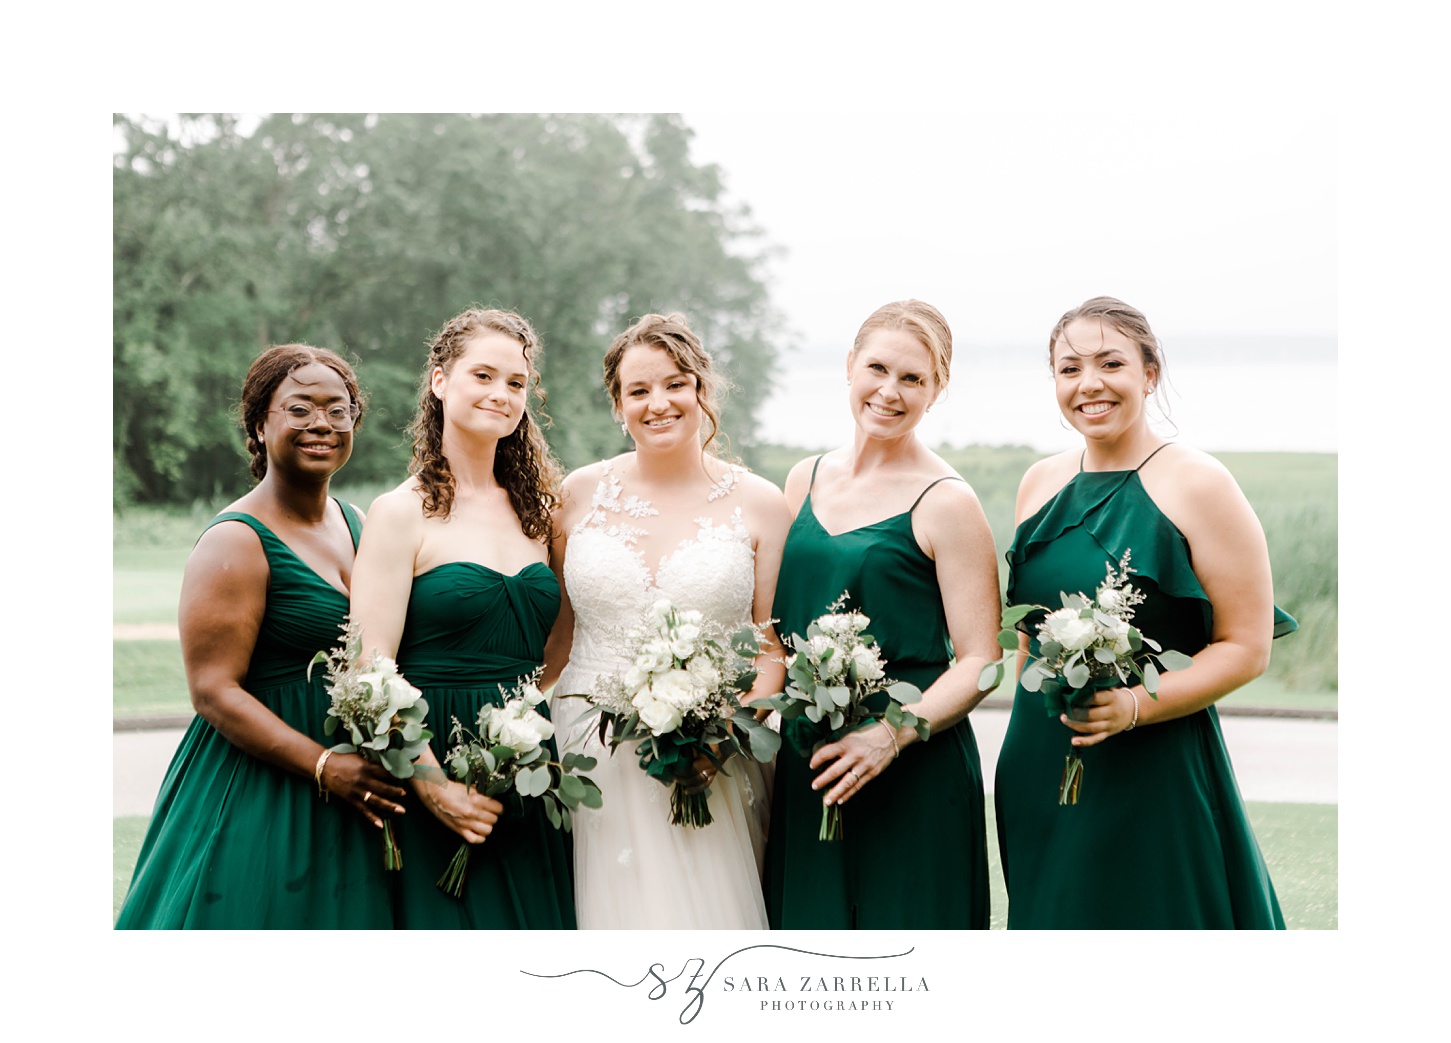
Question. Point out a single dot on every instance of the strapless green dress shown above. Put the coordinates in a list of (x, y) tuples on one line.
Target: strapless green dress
[(470, 634), (1159, 836), (913, 854), (236, 842)]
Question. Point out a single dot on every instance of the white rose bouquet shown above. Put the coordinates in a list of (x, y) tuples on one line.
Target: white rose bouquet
[(1085, 646), (680, 700), (383, 714), (833, 673), (509, 754)]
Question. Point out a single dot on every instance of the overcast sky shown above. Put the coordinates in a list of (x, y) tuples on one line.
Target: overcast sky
[(1210, 225)]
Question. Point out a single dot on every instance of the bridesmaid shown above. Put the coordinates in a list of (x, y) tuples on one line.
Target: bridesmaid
[(244, 834), (1159, 837), (453, 580), (889, 521)]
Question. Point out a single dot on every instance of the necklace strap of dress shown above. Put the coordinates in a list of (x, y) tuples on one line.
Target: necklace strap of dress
[(944, 478)]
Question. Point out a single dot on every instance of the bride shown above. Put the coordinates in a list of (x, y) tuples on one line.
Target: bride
[(669, 520)]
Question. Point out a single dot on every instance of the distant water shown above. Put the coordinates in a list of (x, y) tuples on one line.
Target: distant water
[(1233, 394)]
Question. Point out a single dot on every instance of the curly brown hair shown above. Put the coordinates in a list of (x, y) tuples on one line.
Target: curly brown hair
[(672, 334), (268, 371), (523, 462)]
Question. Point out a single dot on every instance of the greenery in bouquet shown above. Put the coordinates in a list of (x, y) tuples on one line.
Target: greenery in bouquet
[(680, 700), (383, 715), (1084, 647), (509, 754), (832, 674)]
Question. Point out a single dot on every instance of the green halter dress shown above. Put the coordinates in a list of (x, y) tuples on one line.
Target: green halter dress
[(914, 848), (471, 633), (236, 842), (1159, 837)]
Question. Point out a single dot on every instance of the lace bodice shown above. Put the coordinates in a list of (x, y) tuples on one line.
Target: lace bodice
[(611, 586)]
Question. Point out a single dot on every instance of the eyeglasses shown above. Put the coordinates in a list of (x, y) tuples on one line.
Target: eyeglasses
[(299, 417)]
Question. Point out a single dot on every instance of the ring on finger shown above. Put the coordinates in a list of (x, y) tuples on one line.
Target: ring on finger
[(854, 776), (367, 796)]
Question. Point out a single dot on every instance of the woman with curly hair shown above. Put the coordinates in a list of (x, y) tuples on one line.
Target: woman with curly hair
[(672, 520), (453, 581), (244, 835)]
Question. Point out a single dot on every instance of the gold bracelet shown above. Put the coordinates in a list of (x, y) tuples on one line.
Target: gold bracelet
[(896, 750), (317, 773)]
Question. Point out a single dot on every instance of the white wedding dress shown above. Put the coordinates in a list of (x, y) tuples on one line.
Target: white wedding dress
[(633, 869)]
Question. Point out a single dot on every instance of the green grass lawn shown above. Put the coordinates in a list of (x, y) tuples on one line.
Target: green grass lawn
[(1299, 842), (147, 679)]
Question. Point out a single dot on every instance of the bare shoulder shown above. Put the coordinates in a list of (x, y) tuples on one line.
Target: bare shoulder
[(229, 556), (798, 480), (1195, 491), (1043, 479), (760, 491), (580, 483), (399, 507)]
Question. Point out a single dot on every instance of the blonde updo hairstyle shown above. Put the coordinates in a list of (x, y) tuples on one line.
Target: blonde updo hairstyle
[(923, 322), (671, 334), (523, 463)]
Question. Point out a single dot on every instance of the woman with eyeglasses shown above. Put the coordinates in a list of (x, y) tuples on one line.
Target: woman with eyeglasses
[(257, 825)]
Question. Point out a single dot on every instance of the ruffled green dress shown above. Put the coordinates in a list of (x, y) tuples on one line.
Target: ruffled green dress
[(236, 842), (1159, 836), (470, 634), (913, 854)]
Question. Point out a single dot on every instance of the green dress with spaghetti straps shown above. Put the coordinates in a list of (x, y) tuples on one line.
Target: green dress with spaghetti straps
[(913, 854), (236, 842), (1159, 836), (470, 634)]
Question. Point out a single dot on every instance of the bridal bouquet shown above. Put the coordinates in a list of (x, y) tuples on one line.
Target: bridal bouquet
[(508, 753), (833, 672), (1084, 647), (680, 699), (382, 713)]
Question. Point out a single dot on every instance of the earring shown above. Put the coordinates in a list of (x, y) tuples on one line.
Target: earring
[(625, 430)]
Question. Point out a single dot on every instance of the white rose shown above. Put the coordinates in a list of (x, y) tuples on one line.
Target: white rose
[(655, 656), (691, 617), (1070, 631), (656, 714), (635, 678), (704, 673), (1119, 637), (828, 667), (683, 639), (1110, 600), (660, 611), (866, 664), (524, 728), (677, 688)]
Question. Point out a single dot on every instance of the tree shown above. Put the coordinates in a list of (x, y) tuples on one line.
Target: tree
[(366, 233)]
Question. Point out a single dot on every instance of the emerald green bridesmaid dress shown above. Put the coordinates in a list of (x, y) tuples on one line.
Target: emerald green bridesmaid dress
[(470, 634), (1159, 836), (236, 842), (913, 854)]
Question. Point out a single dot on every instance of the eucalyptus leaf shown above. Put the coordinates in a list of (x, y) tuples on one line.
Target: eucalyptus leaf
[(990, 676), (903, 692), (551, 810), (1104, 655), (1076, 675), (1032, 677), (1008, 639), (1152, 644), (1050, 649), (593, 798), (1151, 677), (813, 713), (1014, 614), (571, 790), (1172, 660)]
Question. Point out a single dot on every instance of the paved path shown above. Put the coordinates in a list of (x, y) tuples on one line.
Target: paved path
[(1277, 760)]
